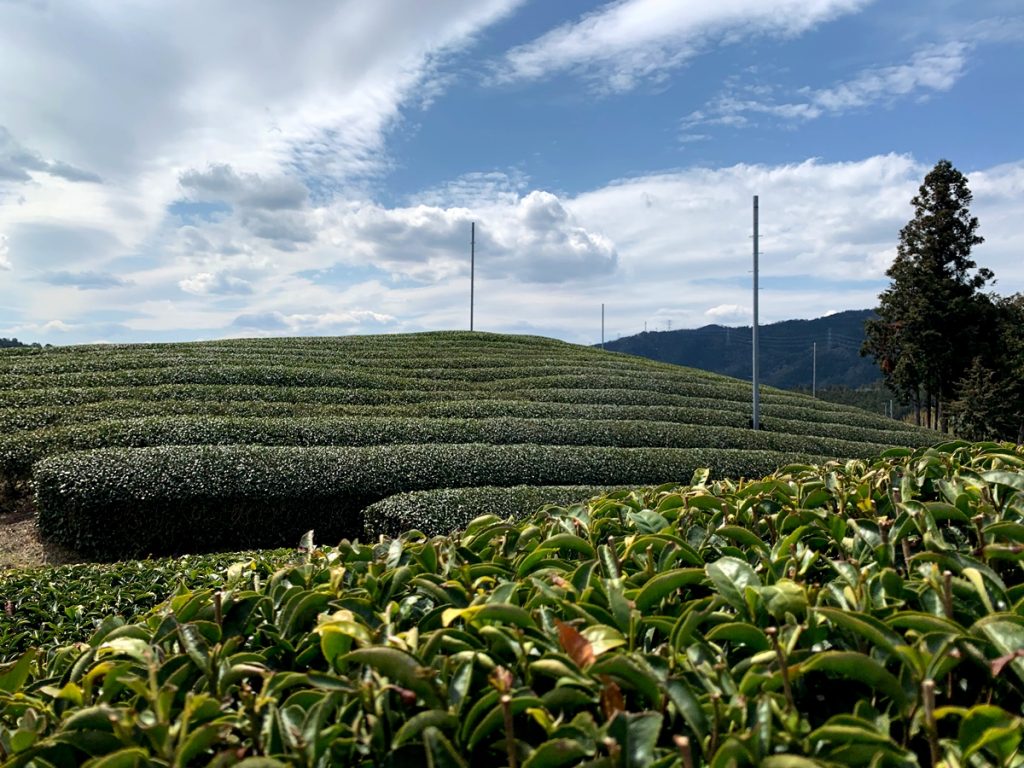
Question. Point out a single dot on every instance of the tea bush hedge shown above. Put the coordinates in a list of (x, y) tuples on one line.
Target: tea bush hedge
[(19, 453), (118, 502), (441, 511), (865, 613)]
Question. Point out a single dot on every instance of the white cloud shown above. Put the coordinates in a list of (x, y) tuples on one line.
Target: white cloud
[(268, 108), (207, 283), (729, 313), (17, 164), (5, 253), (83, 280), (935, 68), (670, 247), (533, 238), (273, 323), (474, 190), (828, 233), (932, 69), (248, 190), (627, 41)]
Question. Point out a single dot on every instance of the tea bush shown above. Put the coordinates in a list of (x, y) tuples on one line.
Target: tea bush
[(118, 502), (65, 604), (862, 613), (20, 452), (444, 510)]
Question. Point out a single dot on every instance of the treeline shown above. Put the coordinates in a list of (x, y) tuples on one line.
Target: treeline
[(950, 349), (11, 343), (877, 399)]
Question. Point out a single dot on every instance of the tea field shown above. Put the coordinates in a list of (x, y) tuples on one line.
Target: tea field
[(867, 612), (139, 450)]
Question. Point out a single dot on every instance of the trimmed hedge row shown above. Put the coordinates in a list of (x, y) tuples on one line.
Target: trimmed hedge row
[(115, 503), (332, 395), (441, 511), (219, 374), (489, 382), (19, 452), (17, 420)]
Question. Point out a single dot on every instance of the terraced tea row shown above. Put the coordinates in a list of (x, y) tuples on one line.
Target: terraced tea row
[(19, 454), (113, 503), (487, 410)]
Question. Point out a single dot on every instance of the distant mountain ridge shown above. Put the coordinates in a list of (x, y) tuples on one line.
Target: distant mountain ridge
[(786, 350)]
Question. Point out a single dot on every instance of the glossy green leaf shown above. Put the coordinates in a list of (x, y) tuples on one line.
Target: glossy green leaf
[(731, 577), (662, 585)]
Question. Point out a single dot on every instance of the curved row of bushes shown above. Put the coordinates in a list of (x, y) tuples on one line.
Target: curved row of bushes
[(775, 418), (112, 503), (441, 511), (19, 452)]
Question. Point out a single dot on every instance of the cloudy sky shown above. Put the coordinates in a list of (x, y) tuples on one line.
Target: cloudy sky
[(198, 169)]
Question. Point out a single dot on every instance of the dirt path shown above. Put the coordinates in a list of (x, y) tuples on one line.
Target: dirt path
[(22, 547)]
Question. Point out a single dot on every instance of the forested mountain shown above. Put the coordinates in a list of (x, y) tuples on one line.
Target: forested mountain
[(786, 350)]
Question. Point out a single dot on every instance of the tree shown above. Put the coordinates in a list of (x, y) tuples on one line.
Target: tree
[(991, 402), (932, 319)]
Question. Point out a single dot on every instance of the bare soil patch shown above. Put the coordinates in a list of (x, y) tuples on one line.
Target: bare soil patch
[(21, 546)]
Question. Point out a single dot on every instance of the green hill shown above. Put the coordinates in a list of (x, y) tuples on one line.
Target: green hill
[(144, 449), (786, 350)]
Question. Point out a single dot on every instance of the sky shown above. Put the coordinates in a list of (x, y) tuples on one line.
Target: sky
[(199, 169)]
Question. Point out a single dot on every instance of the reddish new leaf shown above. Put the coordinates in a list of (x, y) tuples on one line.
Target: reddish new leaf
[(576, 645)]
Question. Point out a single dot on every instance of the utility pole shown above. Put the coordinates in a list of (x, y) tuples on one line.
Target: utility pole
[(472, 270), (754, 372), (814, 369), (602, 326)]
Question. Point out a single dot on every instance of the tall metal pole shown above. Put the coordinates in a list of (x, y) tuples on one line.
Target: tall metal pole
[(754, 377), (814, 369), (472, 270), (602, 326)]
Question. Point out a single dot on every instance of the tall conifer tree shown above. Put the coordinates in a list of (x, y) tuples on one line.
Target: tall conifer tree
[(932, 317)]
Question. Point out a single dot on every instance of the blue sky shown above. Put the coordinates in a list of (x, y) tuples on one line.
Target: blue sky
[(195, 170)]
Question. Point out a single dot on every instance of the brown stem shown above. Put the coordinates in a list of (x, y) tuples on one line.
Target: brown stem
[(928, 694), (947, 593), (713, 745), (683, 745), (218, 614), (510, 736), (906, 552), (773, 635)]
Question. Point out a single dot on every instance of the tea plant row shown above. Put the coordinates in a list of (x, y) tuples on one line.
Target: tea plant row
[(866, 613), (115, 502)]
